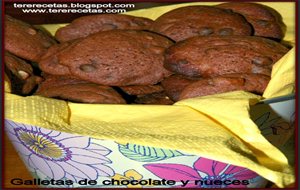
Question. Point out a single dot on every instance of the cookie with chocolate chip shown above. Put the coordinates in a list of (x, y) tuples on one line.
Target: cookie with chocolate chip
[(86, 25), (218, 55), (186, 22), (20, 74), (25, 40), (115, 58), (83, 93), (48, 63), (255, 83), (267, 22)]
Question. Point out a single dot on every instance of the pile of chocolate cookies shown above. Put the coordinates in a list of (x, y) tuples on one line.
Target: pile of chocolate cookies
[(117, 59)]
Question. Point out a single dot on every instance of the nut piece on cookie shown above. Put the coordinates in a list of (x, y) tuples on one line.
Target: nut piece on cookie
[(186, 22), (21, 74), (25, 40), (255, 83), (267, 22), (218, 55), (86, 25), (115, 58)]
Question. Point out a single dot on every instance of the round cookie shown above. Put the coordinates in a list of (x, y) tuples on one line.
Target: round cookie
[(186, 22), (20, 74), (48, 62), (84, 93), (255, 83), (116, 58), (141, 90), (24, 40), (266, 21), (86, 25), (219, 55), (174, 85), (51, 81), (159, 98), (17, 66)]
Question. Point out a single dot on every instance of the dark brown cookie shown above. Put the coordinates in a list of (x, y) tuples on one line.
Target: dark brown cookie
[(155, 99), (48, 62), (255, 83), (24, 40), (186, 22), (219, 55), (86, 25), (174, 85), (52, 81), (266, 21), (21, 74), (141, 90), (116, 58), (84, 93)]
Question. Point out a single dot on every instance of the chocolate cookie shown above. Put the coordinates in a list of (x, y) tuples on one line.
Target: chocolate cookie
[(24, 40), (219, 55), (116, 58), (86, 25), (266, 21), (159, 98), (255, 83), (84, 93), (186, 22), (174, 85), (141, 90), (48, 62), (52, 81), (20, 74)]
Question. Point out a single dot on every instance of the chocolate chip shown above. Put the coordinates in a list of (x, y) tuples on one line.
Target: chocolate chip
[(228, 10), (87, 68), (225, 31), (205, 31), (261, 70), (183, 61), (108, 26), (138, 22), (262, 60), (262, 22)]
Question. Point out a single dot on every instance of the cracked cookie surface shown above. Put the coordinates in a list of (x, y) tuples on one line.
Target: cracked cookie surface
[(219, 55), (86, 25), (186, 22), (116, 58)]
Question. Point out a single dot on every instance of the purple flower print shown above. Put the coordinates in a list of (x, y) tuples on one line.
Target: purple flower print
[(204, 170), (59, 155)]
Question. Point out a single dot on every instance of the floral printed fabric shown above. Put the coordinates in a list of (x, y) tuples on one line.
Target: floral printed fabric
[(59, 155), (55, 155), (203, 170)]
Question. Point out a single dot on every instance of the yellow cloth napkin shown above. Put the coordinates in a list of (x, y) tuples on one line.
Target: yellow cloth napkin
[(283, 76), (7, 84), (216, 127)]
